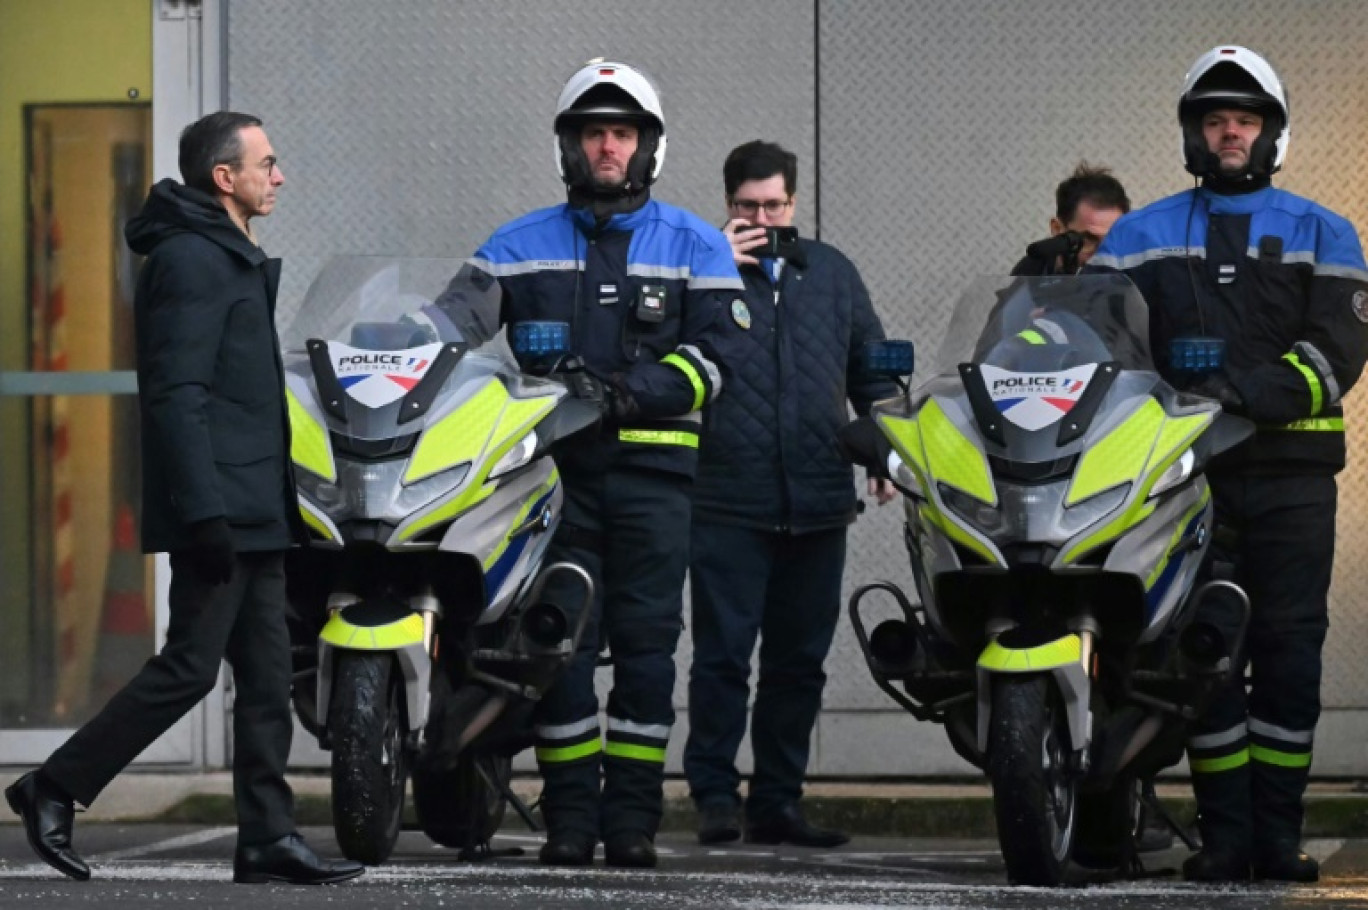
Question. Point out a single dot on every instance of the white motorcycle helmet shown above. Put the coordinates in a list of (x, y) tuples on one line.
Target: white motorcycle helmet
[(1231, 76), (603, 90)]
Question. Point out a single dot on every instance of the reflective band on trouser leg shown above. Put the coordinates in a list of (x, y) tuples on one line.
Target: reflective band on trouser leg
[(633, 777), (1281, 759), (1220, 763), (567, 743), (695, 380), (638, 742), (1313, 382), (1221, 782)]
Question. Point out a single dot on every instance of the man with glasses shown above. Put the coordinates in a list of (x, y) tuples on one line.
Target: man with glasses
[(772, 502)]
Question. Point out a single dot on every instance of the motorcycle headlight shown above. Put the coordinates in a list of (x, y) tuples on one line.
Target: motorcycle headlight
[(416, 495), (1032, 512), (516, 457), (1174, 474)]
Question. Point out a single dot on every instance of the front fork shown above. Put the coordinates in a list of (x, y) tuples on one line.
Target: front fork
[(407, 631), (1068, 659)]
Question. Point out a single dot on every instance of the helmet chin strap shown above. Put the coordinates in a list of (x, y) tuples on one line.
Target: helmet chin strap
[(605, 202)]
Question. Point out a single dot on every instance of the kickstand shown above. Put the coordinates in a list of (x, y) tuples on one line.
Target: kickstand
[(1149, 800), (513, 799)]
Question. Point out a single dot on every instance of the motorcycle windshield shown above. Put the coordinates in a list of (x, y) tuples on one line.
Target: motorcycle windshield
[(385, 324), (1039, 346), (1048, 324), (387, 303)]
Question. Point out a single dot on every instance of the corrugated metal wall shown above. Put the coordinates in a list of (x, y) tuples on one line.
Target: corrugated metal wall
[(930, 137)]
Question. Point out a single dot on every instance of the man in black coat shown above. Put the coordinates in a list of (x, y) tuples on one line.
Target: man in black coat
[(218, 494), (772, 503)]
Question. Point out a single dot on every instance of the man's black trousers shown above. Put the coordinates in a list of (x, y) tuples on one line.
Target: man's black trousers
[(786, 589), (1250, 753), (242, 621)]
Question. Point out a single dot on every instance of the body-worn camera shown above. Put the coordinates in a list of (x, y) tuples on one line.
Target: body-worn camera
[(779, 243)]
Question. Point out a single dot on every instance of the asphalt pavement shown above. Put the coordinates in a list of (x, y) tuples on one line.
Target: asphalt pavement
[(153, 865)]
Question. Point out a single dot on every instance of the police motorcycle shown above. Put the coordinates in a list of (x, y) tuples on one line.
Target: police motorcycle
[(421, 639), (1056, 518)]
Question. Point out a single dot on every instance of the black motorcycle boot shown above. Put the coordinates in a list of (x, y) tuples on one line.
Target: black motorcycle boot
[(570, 807), (1278, 816), (1225, 818)]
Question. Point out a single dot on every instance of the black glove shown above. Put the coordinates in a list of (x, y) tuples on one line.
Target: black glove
[(1217, 386), (610, 398), (211, 550), (861, 442)]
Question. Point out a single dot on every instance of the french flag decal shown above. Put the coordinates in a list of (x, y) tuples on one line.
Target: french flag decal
[(380, 378), (1034, 401)]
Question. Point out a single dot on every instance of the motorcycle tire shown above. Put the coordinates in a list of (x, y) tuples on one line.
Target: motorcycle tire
[(1035, 795), (462, 808), (369, 759)]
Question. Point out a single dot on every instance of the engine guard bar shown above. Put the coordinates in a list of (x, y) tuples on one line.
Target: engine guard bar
[(516, 653), (1219, 675), (884, 676)]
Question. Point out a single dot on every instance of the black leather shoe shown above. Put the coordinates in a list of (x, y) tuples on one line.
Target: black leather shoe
[(1214, 864), (567, 848), (633, 850), (289, 860), (48, 819), (1287, 863), (718, 823), (789, 827)]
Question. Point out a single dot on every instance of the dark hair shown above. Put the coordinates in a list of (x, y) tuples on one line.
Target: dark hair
[(759, 161), (1089, 184), (209, 142)]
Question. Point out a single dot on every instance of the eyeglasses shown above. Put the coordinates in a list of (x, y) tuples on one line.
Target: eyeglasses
[(270, 162), (772, 207)]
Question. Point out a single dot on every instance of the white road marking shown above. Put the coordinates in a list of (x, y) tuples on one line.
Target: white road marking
[(162, 846)]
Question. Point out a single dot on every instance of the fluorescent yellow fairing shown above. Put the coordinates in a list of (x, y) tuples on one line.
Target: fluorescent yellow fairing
[(314, 522), (481, 431), (1058, 653), (1137, 451), (1143, 445), (309, 446), (933, 449), (937, 451), (389, 637)]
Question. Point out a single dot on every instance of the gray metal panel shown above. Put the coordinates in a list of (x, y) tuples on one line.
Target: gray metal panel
[(416, 128), (945, 128)]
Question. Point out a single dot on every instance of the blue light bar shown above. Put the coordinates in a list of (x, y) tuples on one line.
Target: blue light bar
[(1197, 355), (888, 358), (541, 340)]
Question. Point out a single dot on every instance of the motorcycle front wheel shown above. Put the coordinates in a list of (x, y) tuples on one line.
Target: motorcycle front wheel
[(369, 762), (462, 807), (1035, 796)]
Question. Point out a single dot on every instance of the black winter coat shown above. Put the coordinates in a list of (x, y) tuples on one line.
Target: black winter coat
[(769, 457), (215, 435)]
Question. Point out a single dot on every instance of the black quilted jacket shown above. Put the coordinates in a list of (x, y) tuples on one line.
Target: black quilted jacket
[(769, 457)]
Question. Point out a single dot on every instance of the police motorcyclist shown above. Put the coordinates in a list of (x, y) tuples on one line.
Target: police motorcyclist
[(1283, 281), (648, 290)]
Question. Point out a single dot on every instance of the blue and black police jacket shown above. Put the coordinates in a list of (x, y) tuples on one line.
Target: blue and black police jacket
[(653, 300), (1283, 281)]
